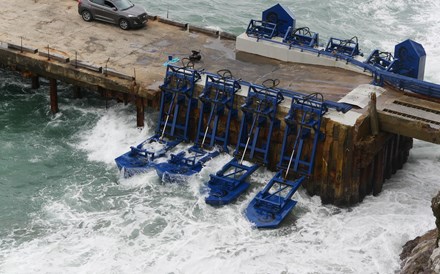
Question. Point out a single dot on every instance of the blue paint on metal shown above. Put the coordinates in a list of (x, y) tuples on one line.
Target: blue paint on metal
[(349, 47), (382, 76), (217, 100), (269, 210), (411, 59), (301, 37), (380, 59), (281, 16), (175, 109), (259, 111), (139, 159), (303, 123), (180, 166), (271, 205), (177, 101), (261, 29), (407, 83), (259, 114), (275, 21), (229, 183)]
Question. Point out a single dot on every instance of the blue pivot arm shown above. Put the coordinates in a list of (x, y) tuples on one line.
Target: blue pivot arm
[(218, 100), (177, 90), (271, 205), (259, 112), (261, 29), (229, 183)]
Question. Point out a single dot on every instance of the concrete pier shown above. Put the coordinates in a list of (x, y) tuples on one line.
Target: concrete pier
[(354, 159)]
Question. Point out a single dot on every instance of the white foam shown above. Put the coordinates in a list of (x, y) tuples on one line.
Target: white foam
[(113, 135), (144, 226)]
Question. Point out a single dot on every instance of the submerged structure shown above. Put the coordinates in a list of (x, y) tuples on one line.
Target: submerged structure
[(319, 114)]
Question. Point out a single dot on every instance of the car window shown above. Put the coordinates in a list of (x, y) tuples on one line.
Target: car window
[(123, 4), (99, 2), (109, 4)]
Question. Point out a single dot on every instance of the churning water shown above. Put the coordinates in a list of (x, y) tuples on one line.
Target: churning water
[(65, 209)]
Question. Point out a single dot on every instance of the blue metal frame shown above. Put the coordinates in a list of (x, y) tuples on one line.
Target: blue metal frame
[(349, 47), (302, 121), (176, 102), (261, 29), (181, 166), (301, 37), (381, 60), (271, 205), (217, 101), (229, 182), (259, 112)]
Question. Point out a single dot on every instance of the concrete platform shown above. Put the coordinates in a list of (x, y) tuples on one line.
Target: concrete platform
[(57, 24)]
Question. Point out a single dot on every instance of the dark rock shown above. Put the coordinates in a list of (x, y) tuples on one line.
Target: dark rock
[(422, 254), (416, 254), (435, 205)]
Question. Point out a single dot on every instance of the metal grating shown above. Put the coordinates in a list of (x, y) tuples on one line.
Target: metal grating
[(412, 116), (416, 107)]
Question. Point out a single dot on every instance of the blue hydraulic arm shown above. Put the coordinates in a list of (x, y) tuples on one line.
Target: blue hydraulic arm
[(261, 29), (301, 37), (175, 107), (213, 128), (217, 101), (259, 114), (348, 47), (271, 205)]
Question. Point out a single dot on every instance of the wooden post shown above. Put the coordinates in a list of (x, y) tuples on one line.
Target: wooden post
[(140, 109), (77, 92), (35, 81), (125, 96), (374, 120), (53, 96)]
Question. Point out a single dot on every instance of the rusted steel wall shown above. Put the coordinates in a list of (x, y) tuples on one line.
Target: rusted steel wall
[(351, 163)]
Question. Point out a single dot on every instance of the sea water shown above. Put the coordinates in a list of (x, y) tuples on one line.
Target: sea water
[(65, 208)]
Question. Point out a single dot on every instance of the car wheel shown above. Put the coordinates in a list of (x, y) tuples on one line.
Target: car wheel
[(123, 24), (86, 16)]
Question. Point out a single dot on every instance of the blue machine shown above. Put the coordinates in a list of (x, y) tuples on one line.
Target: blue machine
[(217, 103), (275, 22), (259, 114), (175, 108), (380, 59), (404, 71), (411, 59), (348, 47), (301, 37), (271, 205)]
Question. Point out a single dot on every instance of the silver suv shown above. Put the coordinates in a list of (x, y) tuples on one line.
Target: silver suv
[(121, 12)]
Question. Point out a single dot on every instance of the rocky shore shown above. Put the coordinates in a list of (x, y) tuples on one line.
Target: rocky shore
[(422, 255)]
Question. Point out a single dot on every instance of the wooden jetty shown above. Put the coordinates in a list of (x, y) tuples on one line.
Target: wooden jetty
[(362, 148)]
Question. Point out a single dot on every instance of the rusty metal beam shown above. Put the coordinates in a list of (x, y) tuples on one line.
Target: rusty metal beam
[(53, 95), (140, 110)]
